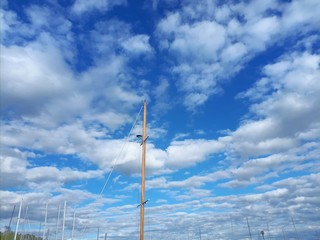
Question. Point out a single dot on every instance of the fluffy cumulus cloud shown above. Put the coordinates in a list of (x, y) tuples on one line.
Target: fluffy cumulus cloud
[(285, 105), (188, 152), (80, 7), (211, 43), (287, 102), (17, 171), (35, 82), (53, 110), (41, 92), (138, 44)]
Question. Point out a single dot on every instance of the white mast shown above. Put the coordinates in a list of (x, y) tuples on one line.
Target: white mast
[(18, 220), (45, 222), (249, 229), (64, 218), (57, 226), (74, 217)]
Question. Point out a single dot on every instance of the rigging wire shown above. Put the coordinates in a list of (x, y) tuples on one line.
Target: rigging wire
[(116, 159)]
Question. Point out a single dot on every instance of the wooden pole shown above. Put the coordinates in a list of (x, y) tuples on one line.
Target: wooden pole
[(144, 138)]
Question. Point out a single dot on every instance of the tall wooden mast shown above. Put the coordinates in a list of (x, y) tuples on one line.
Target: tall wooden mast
[(143, 167)]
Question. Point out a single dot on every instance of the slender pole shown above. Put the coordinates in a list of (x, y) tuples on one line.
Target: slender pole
[(98, 233), (105, 236), (144, 138), (74, 217), (232, 232), (249, 229), (26, 216), (284, 236), (9, 227), (64, 218), (19, 215), (40, 228), (57, 226), (45, 222), (294, 226)]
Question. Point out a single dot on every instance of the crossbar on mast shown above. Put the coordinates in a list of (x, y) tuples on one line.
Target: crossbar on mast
[(144, 138)]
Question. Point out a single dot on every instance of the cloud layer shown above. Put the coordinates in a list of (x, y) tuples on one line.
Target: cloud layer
[(73, 78)]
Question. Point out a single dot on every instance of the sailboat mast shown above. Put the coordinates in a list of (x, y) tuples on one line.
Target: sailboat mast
[(64, 219), (17, 226), (57, 225), (74, 218), (45, 222), (249, 229), (144, 138)]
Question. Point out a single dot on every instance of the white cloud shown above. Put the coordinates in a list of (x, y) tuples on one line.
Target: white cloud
[(204, 50), (222, 14), (18, 172), (296, 19), (8, 18), (286, 100), (38, 92), (260, 33), (80, 7), (13, 164), (195, 99), (200, 41), (162, 99), (254, 10), (169, 24), (138, 44), (234, 52), (45, 19), (189, 152), (36, 84), (76, 112)]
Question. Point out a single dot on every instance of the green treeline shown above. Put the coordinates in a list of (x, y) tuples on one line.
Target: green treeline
[(10, 235)]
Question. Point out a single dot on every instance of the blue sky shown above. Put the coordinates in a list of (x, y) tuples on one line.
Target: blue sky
[(233, 92)]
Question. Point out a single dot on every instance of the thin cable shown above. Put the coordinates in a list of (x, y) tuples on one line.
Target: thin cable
[(115, 160)]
